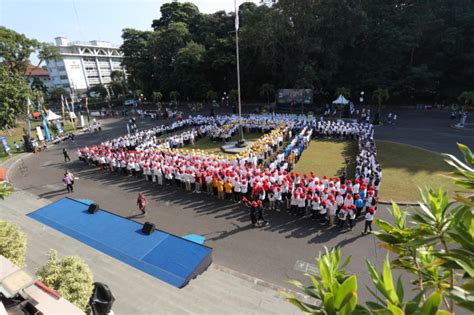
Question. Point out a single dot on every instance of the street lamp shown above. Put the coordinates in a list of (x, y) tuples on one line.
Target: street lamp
[(361, 99)]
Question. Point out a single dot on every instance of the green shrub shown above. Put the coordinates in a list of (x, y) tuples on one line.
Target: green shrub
[(12, 243), (69, 276)]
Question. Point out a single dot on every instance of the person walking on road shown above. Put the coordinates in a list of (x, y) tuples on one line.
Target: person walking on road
[(67, 181), (142, 202), (66, 156)]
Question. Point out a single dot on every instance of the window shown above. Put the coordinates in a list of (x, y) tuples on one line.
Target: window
[(66, 85), (61, 68), (63, 77)]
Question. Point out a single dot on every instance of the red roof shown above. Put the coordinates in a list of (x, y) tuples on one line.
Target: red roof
[(36, 71)]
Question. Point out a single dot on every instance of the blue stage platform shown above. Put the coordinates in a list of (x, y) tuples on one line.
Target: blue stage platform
[(165, 256)]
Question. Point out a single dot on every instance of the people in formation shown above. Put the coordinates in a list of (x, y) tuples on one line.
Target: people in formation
[(262, 176)]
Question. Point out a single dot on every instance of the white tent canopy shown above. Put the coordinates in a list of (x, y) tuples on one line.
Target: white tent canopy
[(341, 100), (52, 116)]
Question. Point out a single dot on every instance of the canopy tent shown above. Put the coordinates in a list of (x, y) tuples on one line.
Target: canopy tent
[(52, 116), (341, 100)]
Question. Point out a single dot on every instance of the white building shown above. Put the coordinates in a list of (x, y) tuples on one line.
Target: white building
[(83, 64)]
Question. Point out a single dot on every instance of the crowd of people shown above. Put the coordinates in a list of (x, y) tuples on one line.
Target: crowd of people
[(262, 176)]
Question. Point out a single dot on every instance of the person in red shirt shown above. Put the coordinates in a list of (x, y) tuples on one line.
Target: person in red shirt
[(142, 202)]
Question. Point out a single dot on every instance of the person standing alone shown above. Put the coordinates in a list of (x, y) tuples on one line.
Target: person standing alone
[(68, 182), (66, 156), (141, 202)]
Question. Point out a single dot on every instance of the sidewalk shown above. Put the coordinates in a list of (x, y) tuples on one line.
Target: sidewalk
[(213, 292)]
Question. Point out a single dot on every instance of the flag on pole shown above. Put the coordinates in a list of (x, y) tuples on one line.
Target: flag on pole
[(236, 16), (44, 105), (72, 100), (67, 105), (87, 105), (28, 104), (28, 117), (62, 105)]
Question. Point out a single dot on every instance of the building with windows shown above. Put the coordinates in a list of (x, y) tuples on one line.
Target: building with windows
[(83, 64), (37, 73)]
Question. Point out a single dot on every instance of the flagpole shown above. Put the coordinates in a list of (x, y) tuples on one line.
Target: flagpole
[(28, 117), (241, 142)]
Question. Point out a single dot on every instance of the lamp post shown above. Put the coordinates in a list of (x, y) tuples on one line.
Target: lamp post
[(361, 99)]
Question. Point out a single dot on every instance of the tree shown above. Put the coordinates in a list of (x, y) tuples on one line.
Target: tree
[(174, 96), (467, 98), (380, 96), (175, 11), (100, 90), (433, 243), (420, 51), (343, 91), (118, 84), (211, 95), (69, 276), (12, 242), (233, 96), (14, 90), (267, 90), (156, 96), (38, 85), (55, 93), (46, 51)]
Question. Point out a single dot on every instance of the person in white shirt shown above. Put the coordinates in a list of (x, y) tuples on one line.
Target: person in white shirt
[(369, 217), (278, 198)]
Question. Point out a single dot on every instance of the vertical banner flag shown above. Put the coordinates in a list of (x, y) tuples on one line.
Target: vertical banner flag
[(72, 101), (67, 105), (3, 140), (87, 105), (62, 105), (45, 121), (236, 16)]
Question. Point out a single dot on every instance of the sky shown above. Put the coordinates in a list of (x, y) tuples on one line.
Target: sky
[(85, 20)]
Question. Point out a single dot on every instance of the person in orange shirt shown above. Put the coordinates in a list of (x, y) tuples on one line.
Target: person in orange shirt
[(291, 160), (228, 190), (220, 189)]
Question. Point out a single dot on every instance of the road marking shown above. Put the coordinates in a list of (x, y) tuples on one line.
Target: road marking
[(305, 267)]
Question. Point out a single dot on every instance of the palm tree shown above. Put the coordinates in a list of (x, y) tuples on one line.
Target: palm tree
[(267, 90)]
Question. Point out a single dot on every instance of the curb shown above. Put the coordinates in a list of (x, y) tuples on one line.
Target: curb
[(265, 284), (11, 163), (401, 203)]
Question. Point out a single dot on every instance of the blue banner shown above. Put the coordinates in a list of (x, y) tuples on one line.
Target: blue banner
[(3, 139)]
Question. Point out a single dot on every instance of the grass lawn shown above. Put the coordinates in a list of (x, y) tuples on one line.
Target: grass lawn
[(207, 145), (327, 157), (406, 168)]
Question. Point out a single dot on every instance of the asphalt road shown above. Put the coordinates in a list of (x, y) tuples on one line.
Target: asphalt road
[(273, 253)]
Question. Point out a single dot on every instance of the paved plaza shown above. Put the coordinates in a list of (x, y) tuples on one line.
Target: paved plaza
[(285, 249)]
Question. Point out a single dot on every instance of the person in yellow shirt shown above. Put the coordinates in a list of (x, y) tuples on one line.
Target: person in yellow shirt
[(220, 189), (228, 190), (214, 185)]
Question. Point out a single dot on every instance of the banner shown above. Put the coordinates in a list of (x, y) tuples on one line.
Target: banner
[(236, 16), (3, 139), (62, 105), (59, 126), (39, 133)]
